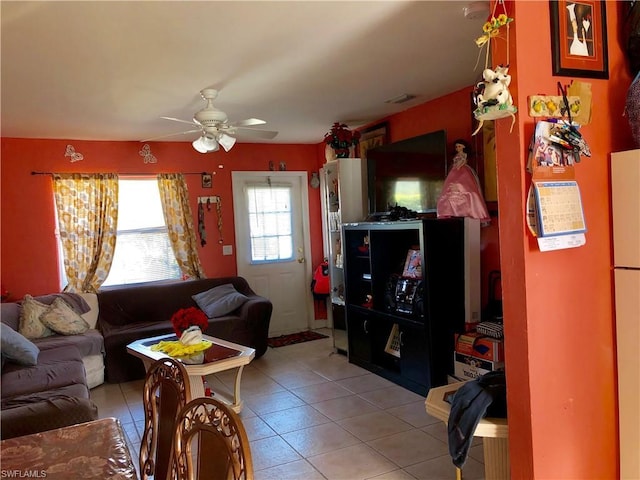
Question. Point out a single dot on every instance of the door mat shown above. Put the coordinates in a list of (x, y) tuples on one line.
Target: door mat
[(292, 338)]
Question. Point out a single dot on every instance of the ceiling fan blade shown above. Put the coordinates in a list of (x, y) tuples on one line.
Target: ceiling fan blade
[(172, 135), (248, 122), (179, 120), (256, 133)]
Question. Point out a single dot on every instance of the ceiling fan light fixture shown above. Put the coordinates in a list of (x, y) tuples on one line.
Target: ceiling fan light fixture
[(205, 144), (226, 141)]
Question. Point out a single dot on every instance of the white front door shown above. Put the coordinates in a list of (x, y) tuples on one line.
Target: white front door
[(273, 249)]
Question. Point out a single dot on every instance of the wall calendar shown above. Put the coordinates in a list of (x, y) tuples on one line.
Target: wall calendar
[(558, 208)]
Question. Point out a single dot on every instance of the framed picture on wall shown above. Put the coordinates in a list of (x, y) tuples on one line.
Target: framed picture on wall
[(373, 137), (207, 180), (579, 38)]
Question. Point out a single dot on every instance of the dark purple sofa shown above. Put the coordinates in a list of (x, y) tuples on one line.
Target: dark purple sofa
[(131, 313)]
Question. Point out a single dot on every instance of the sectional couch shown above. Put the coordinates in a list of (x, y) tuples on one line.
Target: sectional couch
[(45, 382), (68, 365)]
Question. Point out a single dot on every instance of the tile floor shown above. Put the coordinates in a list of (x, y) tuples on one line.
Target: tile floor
[(310, 414)]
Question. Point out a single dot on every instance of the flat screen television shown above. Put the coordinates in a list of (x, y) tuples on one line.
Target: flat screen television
[(409, 173)]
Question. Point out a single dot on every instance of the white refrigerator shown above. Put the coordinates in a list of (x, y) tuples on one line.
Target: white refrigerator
[(625, 199)]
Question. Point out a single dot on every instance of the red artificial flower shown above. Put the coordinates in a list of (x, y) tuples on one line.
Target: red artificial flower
[(189, 317), (340, 138)]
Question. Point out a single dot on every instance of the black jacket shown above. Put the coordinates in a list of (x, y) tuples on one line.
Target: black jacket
[(486, 395)]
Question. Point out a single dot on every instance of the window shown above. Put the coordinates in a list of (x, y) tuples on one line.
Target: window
[(270, 223), (143, 252)]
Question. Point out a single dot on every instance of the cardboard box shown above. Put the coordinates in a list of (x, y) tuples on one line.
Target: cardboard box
[(467, 367), (480, 346)]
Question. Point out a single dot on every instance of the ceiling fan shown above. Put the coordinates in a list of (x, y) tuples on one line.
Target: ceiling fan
[(215, 129)]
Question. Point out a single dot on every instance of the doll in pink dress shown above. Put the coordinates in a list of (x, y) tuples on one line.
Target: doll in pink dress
[(461, 195)]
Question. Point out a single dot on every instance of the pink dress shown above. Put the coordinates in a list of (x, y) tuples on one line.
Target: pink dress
[(461, 196)]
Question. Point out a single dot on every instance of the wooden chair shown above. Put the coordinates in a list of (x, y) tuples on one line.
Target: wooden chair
[(166, 392), (210, 443)]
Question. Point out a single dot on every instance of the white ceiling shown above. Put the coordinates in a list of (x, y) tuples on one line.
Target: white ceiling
[(101, 70)]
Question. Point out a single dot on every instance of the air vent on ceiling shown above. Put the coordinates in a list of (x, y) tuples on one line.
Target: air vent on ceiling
[(405, 97)]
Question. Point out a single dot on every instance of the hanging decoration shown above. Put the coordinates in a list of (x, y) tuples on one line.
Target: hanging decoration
[(491, 96), (147, 155), (202, 231), (71, 152), (207, 201)]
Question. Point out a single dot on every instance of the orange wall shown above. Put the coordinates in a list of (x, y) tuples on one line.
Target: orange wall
[(29, 253), (559, 323)]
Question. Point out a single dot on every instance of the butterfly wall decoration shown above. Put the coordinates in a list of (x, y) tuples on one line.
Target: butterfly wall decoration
[(147, 155), (71, 152)]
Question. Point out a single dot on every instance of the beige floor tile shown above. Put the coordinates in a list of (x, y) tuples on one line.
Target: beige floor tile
[(320, 392), (477, 452), (272, 402), (395, 475), (246, 412), (364, 383), (348, 371), (272, 451), (293, 419), (277, 364), (120, 412), (298, 379), (437, 430), (256, 428), (374, 425), (442, 468), (298, 470), (137, 412), (255, 384), (345, 407), (134, 386), (410, 447), (352, 463), (319, 439), (393, 396), (414, 413)]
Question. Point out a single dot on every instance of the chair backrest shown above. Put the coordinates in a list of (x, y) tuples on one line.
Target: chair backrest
[(166, 392), (210, 443)]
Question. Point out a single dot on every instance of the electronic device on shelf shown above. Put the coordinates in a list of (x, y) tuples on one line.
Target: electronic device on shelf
[(408, 291)]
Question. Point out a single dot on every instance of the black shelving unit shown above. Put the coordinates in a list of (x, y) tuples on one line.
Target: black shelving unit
[(375, 255)]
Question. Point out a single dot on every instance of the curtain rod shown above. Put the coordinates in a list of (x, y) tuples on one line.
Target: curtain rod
[(125, 173)]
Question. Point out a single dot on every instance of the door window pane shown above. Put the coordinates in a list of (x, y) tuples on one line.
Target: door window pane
[(270, 223)]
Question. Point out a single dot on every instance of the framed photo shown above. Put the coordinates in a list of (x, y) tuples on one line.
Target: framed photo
[(579, 38), (413, 264), (207, 180), (372, 137)]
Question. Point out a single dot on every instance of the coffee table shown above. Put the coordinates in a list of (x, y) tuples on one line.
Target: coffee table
[(221, 356)]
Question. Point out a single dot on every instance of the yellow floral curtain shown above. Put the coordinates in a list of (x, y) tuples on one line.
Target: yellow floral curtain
[(87, 206), (177, 215)]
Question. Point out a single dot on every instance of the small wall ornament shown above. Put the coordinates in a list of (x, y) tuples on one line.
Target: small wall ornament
[(71, 152), (147, 155)]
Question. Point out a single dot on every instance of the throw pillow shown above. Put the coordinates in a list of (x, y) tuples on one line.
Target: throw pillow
[(30, 325), (220, 300), (17, 348), (63, 319)]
